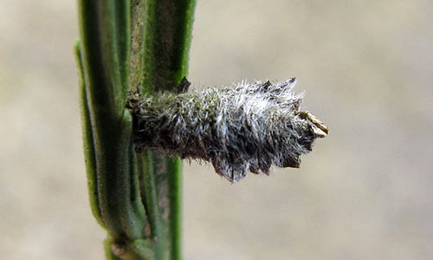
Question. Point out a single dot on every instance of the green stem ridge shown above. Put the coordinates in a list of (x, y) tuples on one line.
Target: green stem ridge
[(129, 46), (105, 49), (167, 27), (89, 150), (175, 196)]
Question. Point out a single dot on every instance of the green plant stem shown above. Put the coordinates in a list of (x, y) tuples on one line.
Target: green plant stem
[(89, 149), (161, 38), (167, 29), (151, 202), (139, 46), (175, 196), (105, 37)]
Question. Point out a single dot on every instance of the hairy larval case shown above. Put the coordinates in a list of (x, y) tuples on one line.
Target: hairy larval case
[(241, 128)]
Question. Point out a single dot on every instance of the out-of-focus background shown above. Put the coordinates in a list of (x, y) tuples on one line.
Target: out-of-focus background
[(366, 191)]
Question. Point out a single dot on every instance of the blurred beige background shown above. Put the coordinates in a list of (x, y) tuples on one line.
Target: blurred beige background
[(366, 192)]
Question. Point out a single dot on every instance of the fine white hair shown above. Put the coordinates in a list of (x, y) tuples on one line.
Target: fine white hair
[(247, 127)]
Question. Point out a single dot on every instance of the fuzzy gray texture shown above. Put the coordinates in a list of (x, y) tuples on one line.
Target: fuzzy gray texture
[(245, 127)]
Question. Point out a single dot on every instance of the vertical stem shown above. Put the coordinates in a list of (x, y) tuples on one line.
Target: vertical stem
[(175, 195), (103, 55), (167, 28), (131, 45), (88, 141), (151, 203), (161, 39)]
